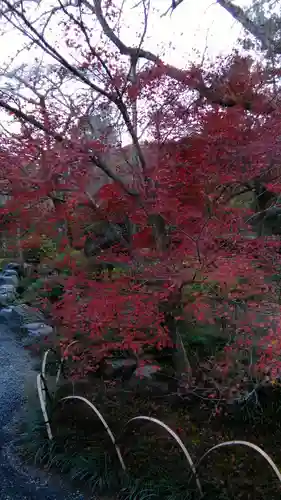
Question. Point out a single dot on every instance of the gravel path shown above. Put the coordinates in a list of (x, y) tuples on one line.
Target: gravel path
[(15, 482)]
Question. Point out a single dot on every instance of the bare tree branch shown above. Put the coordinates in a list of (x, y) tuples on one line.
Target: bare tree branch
[(257, 31), (173, 6), (121, 46)]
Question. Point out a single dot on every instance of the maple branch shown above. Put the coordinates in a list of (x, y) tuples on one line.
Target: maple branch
[(82, 26), (41, 42), (121, 46), (116, 99), (29, 119), (196, 82), (135, 53), (59, 138)]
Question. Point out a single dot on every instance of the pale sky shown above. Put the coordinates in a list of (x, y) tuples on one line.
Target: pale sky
[(193, 25), (195, 28)]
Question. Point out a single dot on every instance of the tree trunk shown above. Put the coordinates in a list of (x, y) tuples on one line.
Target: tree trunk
[(182, 367), (62, 224), (159, 231)]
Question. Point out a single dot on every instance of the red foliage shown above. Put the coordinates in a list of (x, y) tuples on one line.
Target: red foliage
[(190, 187)]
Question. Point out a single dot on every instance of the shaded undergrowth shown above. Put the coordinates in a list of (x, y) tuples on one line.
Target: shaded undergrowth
[(156, 467)]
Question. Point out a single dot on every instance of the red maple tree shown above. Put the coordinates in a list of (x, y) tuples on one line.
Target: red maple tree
[(190, 256)]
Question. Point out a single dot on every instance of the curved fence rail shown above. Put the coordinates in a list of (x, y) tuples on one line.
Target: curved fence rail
[(43, 371), (248, 445), (105, 424), (177, 439), (42, 389), (42, 399)]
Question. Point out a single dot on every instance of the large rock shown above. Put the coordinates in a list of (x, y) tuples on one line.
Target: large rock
[(7, 287), (47, 270), (15, 266), (146, 371), (9, 279), (17, 316), (148, 379), (29, 314), (10, 272), (37, 329), (121, 367), (10, 317), (6, 299), (7, 294)]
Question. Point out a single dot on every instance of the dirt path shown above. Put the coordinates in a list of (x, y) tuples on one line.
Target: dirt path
[(16, 482)]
